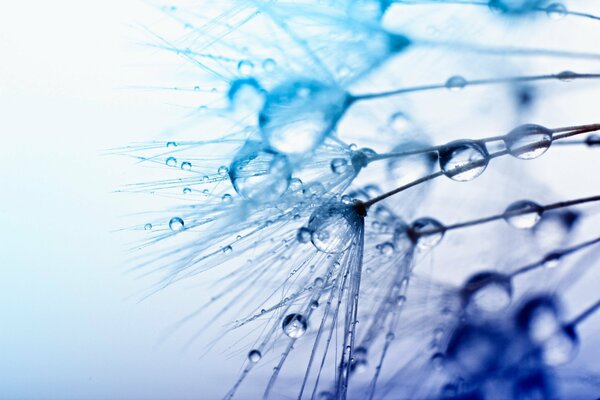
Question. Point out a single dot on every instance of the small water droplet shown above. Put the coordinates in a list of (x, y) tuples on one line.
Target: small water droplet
[(339, 165), (334, 227), (227, 249), (556, 11), (254, 356), (456, 83), (593, 140), (171, 144), (223, 170), (269, 65), (426, 232), (294, 325), (245, 67), (171, 161), (187, 190), (523, 214), (186, 165), (304, 235), (176, 224), (386, 249), (226, 198), (314, 304), (148, 227), (463, 160)]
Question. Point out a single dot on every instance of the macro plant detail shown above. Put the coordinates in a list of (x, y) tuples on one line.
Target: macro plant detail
[(389, 199)]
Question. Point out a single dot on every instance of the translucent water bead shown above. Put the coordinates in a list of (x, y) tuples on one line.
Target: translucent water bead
[(528, 141), (294, 325), (426, 233), (561, 347), (260, 174), (254, 356), (334, 226), (176, 224), (246, 94), (539, 318), (463, 160), (487, 291), (297, 116), (523, 214)]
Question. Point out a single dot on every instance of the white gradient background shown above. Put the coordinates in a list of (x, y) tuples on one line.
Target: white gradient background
[(70, 324)]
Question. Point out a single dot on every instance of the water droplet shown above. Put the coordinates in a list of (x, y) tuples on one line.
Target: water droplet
[(561, 347), (171, 144), (463, 160), (254, 356), (226, 198), (456, 83), (339, 165), (386, 249), (528, 141), (523, 214), (245, 67), (437, 360), (260, 174), (196, 88), (551, 260), (399, 122), (539, 318), (227, 249), (294, 325), (593, 140), (269, 65), (556, 11), (403, 243), (319, 282), (148, 227), (426, 232), (186, 165), (187, 190), (171, 161), (223, 170), (359, 360), (176, 224), (334, 227), (246, 95), (314, 304), (297, 116), (487, 291), (304, 235)]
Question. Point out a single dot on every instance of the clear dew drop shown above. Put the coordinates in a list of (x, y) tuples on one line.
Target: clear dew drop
[(171, 144), (463, 160), (227, 249), (592, 140), (187, 190), (487, 292), (523, 214), (297, 116), (226, 198), (186, 165), (314, 304), (426, 233), (260, 174), (456, 83), (269, 64), (334, 227), (148, 227), (566, 76), (319, 281), (171, 161), (386, 249), (539, 318), (245, 67), (176, 224), (528, 141), (254, 355), (556, 11), (304, 235), (561, 347), (223, 170), (294, 325), (339, 165)]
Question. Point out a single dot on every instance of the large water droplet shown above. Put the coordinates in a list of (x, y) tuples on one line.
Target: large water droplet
[(556, 11), (260, 174), (426, 232), (176, 224), (487, 292), (523, 214), (294, 325), (539, 318), (334, 227), (561, 347), (245, 67), (463, 160), (528, 141), (246, 95), (297, 116), (339, 165)]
